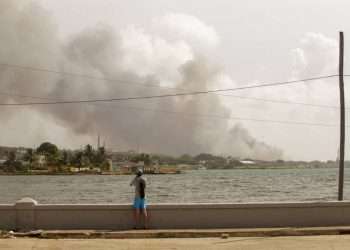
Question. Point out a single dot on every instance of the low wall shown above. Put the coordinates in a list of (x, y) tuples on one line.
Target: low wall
[(27, 214)]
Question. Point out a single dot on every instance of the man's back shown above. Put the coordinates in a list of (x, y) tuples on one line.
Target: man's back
[(140, 185)]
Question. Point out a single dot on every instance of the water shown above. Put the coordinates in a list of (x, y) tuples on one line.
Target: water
[(218, 186)]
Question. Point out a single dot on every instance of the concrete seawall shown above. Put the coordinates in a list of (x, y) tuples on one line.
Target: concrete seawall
[(27, 214)]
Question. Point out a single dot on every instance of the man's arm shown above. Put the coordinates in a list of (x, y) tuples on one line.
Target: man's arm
[(132, 183)]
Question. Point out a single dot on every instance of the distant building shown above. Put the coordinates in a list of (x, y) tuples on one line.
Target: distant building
[(41, 160), (84, 169), (2, 161), (110, 165), (131, 167), (20, 153), (247, 162)]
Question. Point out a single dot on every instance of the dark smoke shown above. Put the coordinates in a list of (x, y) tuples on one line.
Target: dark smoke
[(28, 37)]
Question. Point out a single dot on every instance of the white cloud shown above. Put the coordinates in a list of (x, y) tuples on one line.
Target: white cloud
[(152, 54), (316, 55), (177, 26)]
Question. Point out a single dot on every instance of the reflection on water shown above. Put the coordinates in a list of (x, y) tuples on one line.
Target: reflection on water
[(219, 186)]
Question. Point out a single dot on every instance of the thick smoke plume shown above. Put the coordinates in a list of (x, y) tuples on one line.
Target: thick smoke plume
[(170, 55)]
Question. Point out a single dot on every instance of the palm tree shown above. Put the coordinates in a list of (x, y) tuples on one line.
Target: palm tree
[(30, 157), (89, 153)]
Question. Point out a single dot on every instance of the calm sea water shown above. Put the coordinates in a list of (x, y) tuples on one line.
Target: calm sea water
[(217, 186)]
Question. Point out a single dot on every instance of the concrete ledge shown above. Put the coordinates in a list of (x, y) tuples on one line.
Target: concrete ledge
[(84, 207), (170, 206), (6, 207), (28, 215)]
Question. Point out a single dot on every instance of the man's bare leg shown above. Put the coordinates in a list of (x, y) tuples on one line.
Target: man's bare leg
[(145, 218), (136, 217)]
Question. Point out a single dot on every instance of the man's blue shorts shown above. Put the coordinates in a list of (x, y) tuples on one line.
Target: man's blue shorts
[(139, 203)]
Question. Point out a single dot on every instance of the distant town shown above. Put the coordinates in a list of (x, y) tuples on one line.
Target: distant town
[(49, 159)]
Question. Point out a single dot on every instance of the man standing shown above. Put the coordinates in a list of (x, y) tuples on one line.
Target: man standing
[(140, 201)]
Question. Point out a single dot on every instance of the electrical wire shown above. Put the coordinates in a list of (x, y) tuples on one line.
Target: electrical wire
[(146, 85), (121, 81), (215, 116), (254, 86), (57, 101)]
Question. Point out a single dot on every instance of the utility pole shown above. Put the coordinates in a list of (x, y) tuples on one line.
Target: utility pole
[(342, 117), (98, 141)]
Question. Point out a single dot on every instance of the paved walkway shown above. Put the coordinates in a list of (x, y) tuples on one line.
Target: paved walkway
[(179, 233), (334, 242)]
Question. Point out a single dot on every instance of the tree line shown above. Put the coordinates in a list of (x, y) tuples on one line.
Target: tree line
[(49, 156)]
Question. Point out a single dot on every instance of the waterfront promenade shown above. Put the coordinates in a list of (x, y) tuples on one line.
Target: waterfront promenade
[(26, 215), (325, 242)]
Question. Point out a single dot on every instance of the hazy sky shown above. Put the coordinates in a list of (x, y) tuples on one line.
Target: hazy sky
[(248, 41), (255, 36)]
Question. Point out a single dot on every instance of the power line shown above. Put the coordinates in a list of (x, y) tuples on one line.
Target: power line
[(25, 96), (170, 112), (181, 94), (285, 102), (234, 96), (146, 85), (262, 85), (210, 116), (121, 81)]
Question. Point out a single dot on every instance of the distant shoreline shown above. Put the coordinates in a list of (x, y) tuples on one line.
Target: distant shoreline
[(182, 171)]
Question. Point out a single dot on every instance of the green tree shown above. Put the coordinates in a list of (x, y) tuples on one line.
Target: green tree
[(66, 157), (12, 165), (11, 157), (100, 157), (186, 159), (78, 159), (50, 151), (88, 154), (9, 164), (102, 151), (47, 148), (29, 156), (142, 157)]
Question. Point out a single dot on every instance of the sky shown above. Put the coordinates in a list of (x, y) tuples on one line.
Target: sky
[(225, 44)]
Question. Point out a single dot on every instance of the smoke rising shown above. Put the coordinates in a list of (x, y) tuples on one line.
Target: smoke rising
[(175, 53)]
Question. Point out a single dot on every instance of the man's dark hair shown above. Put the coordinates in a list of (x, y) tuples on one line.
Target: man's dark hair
[(139, 172)]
